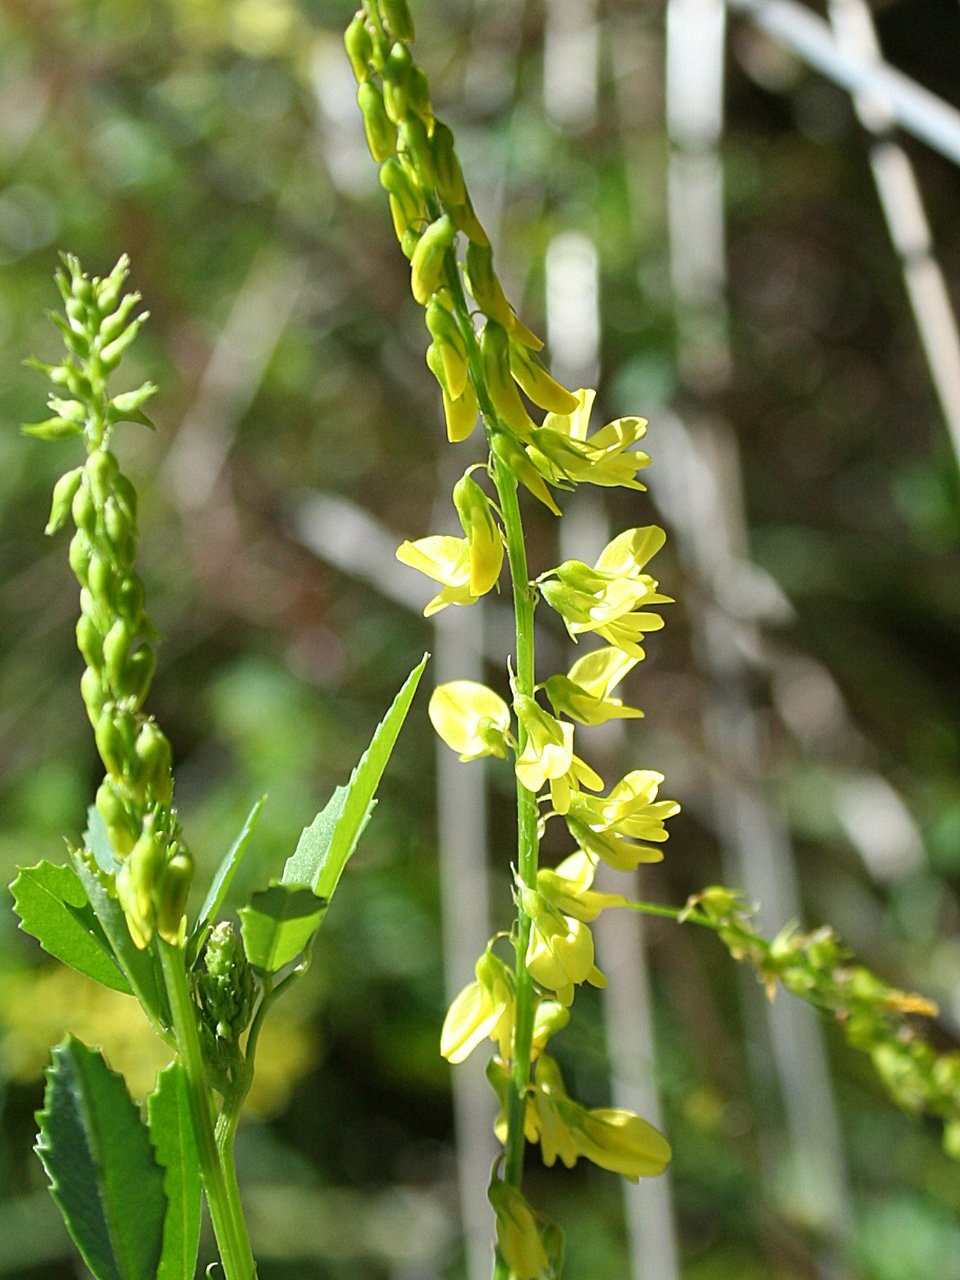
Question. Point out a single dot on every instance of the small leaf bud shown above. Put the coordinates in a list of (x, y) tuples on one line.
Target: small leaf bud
[(63, 495)]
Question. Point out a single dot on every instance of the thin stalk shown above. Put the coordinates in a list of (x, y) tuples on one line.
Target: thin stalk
[(528, 840), (220, 1185)]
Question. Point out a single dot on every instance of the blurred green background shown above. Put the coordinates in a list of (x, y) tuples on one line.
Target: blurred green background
[(217, 142)]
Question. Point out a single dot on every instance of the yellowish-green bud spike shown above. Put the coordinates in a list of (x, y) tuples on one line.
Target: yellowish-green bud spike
[(460, 414), (414, 142), (381, 132), (359, 46), (63, 495), (510, 453), (450, 185), (428, 261), (396, 14), (495, 350), (451, 348), (537, 383), (484, 285), (484, 538), (471, 719)]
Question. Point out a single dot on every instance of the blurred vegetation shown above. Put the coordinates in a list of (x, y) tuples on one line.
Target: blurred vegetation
[(218, 143)]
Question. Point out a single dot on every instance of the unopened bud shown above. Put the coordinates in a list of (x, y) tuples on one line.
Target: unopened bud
[(415, 142), (89, 642), (63, 494), (84, 510), (485, 286), (494, 347), (396, 75), (170, 898), (427, 263), (450, 184), (451, 347), (116, 647), (396, 14), (381, 133), (134, 681), (359, 47), (153, 752)]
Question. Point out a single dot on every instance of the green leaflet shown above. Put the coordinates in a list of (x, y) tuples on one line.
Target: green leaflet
[(53, 908), (326, 845), (171, 1131), (95, 839), (103, 1174), (278, 924), (221, 882)]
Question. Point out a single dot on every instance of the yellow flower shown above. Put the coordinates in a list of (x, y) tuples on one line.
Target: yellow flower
[(612, 1138), (560, 950), (585, 692), (483, 1008), (563, 454), (548, 749), (471, 719), (608, 827), (467, 567), (567, 888), (484, 539)]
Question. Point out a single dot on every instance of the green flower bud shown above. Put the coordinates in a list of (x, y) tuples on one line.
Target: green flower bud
[(495, 350), (171, 897), (226, 988), (102, 468), (153, 752), (416, 144), (100, 577), (84, 510), (381, 133), (110, 355), (418, 96), (125, 495), (409, 241), (427, 263), (63, 494), (53, 429), (108, 290), (359, 45), (467, 222), (407, 206), (81, 549), (509, 452), (110, 742), (134, 681), (485, 286), (129, 599), (116, 648), (94, 693), (115, 324), (122, 827), (141, 930), (89, 642), (119, 533), (450, 184), (396, 74), (396, 14)]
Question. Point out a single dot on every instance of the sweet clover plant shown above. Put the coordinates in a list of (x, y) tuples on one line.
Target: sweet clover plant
[(120, 910), (130, 1191)]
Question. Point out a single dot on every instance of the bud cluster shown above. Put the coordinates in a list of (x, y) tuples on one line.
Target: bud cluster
[(225, 993), (114, 634)]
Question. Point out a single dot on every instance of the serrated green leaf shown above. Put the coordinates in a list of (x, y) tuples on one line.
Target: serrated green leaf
[(278, 924), (222, 880), (103, 1174), (53, 908), (327, 844), (140, 968), (171, 1131)]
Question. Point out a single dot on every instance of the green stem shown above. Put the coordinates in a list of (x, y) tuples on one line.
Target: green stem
[(220, 1182)]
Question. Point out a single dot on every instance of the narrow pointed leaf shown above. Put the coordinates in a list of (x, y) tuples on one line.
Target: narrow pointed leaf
[(222, 880), (171, 1131), (53, 908), (322, 853), (103, 1175), (278, 924)]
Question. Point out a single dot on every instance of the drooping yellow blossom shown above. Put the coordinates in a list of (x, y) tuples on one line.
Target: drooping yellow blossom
[(471, 719), (585, 692), (548, 749), (518, 1236), (560, 951), (567, 888), (613, 596), (609, 827), (483, 1008), (612, 1138), (564, 455), (468, 567)]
